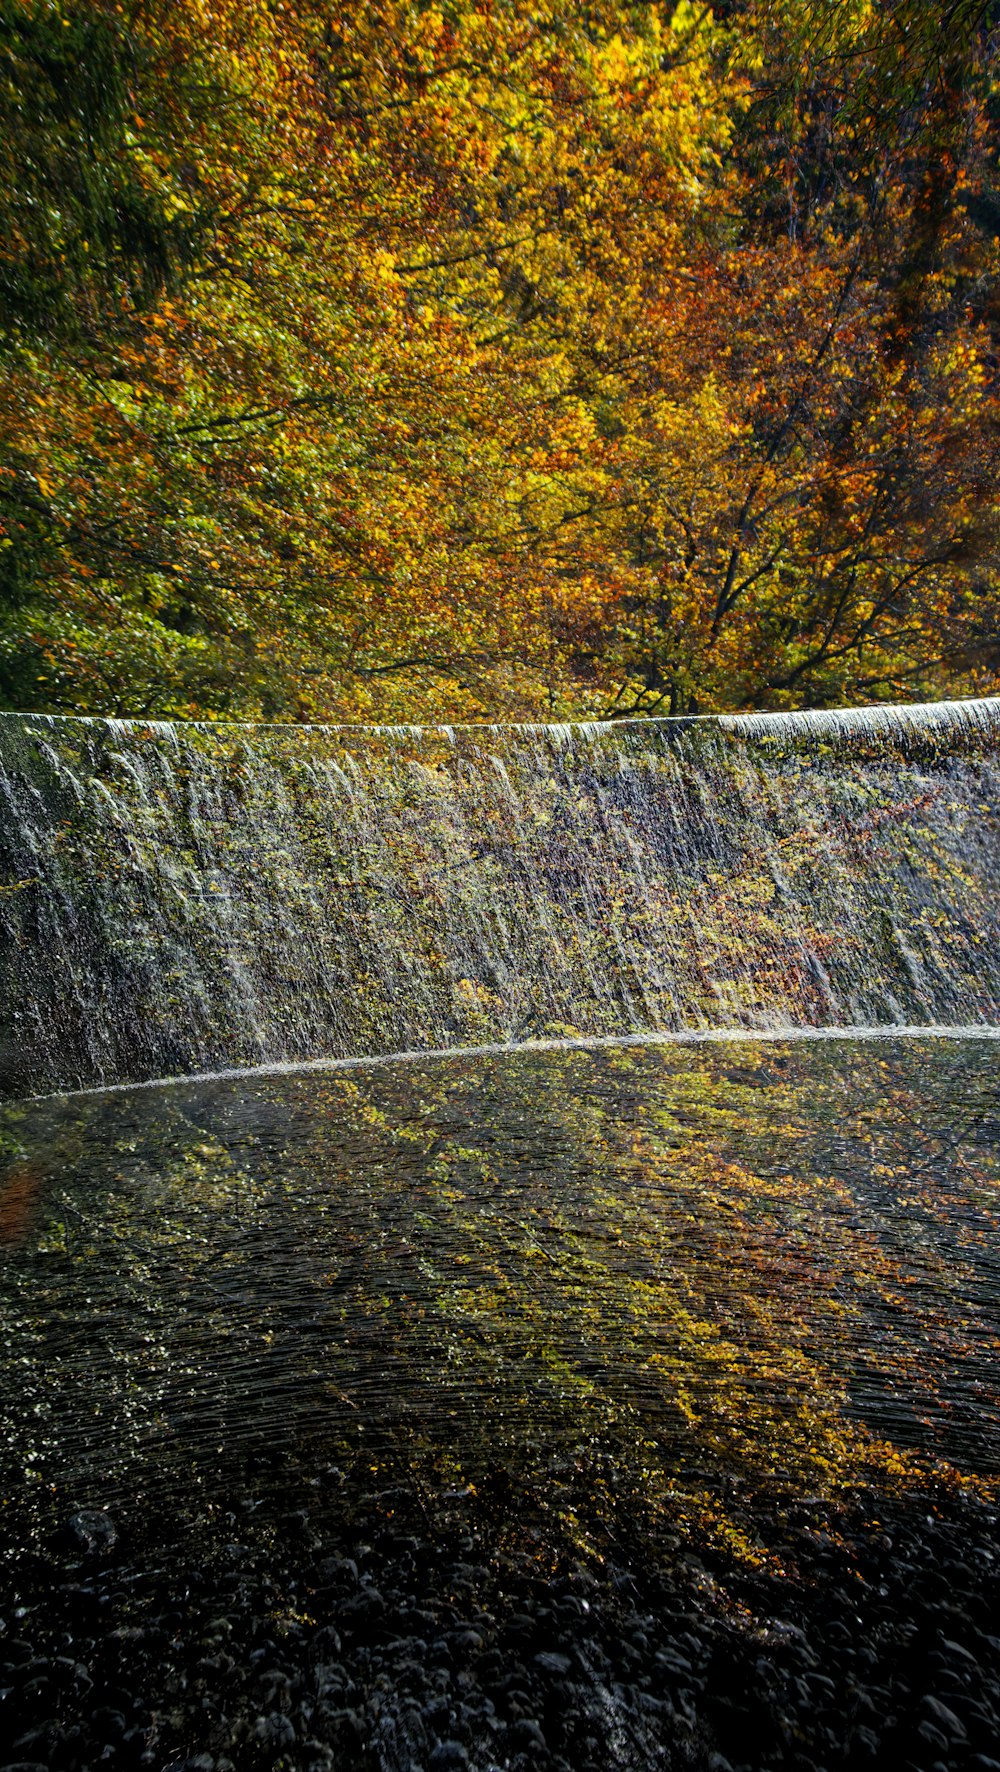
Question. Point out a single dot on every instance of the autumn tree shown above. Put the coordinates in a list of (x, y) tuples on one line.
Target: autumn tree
[(827, 530), (379, 362)]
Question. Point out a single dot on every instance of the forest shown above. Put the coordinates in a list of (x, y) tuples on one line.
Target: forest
[(470, 360)]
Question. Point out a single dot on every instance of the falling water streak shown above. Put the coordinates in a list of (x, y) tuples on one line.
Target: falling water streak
[(219, 897)]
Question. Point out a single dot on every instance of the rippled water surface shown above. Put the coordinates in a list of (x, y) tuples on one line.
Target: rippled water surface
[(773, 1261)]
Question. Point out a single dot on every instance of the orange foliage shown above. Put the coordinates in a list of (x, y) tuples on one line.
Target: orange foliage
[(384, 362)]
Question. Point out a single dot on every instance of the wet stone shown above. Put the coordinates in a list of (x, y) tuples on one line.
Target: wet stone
[(92, 1531), (275, 1732), (448, 1756), (550, 1663), (526, 1734), (944, 1718)]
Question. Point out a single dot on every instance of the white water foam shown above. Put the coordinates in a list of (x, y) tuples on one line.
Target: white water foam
[(982, 712), (506, 1049)]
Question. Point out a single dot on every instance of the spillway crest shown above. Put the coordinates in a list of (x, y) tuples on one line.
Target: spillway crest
[(175, 898)]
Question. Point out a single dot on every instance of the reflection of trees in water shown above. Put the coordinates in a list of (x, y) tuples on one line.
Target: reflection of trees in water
[(695, 1264), (19, 1188)]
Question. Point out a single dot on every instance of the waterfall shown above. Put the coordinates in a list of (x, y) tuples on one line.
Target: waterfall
[(181, 897)]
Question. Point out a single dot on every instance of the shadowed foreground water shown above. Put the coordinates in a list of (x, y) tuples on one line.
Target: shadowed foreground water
[(600, 1311)]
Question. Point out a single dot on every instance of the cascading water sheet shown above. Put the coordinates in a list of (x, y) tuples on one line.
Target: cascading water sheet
[(181, 897)]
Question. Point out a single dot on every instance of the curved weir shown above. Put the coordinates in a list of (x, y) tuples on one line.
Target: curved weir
[(183, 898)]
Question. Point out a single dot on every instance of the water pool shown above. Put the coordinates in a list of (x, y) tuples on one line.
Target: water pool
[(721, 1317)]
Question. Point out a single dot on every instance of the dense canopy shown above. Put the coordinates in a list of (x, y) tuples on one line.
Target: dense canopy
[(489, 359)]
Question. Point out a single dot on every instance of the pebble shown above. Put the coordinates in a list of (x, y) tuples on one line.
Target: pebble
[(383, 1643), (448, 1756), (553, 1664), (275, 1732), (92, 1530), (525, 1733)]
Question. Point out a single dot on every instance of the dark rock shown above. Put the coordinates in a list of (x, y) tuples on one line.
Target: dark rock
[(44, 1743), (469, 1642), (326, 1641), (92, 1531), (317, 1757), (328, 1676), (108, 1724), (943, 1718), (275, 1733), (341, 1572), (526, 1734), (958, 1652), (276, 1687), (365, 1608), (674, 1662), (17, 1653), (550, 1663), (932, 1736), (864, 1740), (448, 1756)]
